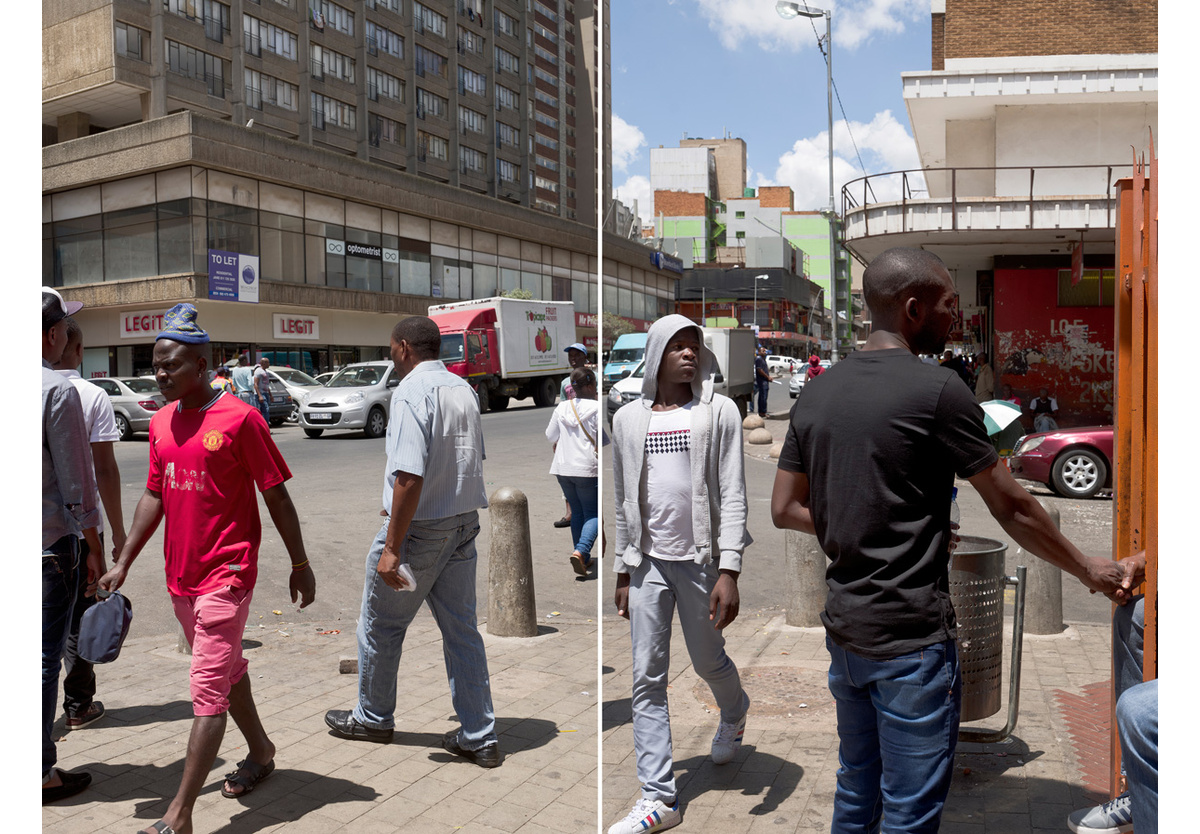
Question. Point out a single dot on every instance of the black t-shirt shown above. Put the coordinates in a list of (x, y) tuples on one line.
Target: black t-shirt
[(881, 436)]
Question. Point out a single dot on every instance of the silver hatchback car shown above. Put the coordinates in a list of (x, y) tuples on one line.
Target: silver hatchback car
[(357, 397)]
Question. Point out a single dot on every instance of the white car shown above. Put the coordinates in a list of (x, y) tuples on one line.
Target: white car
[(781, 364), (297, 384), (356, 397), (799, 377)]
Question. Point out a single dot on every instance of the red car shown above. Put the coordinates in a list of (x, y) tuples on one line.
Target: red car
[(1076, 463)]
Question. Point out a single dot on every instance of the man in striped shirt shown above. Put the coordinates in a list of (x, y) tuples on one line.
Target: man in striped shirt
[(432, 492)]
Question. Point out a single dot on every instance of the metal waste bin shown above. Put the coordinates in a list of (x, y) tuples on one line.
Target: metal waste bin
[(977, 583)]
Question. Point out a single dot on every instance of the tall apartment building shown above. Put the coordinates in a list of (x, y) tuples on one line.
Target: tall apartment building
[(1029, 114), (372, 156)]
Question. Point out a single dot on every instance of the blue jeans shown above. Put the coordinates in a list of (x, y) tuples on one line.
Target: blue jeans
[(441, 554), (898, 726), (264, 408), (1137, 719), (79, 676), (581, 495), (61, 571), (764, 388)]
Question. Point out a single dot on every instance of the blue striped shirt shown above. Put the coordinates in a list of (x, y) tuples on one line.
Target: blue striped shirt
[(434, 431)]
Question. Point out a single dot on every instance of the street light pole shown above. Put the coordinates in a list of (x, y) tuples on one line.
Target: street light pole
[(758, 278), (789, 9)]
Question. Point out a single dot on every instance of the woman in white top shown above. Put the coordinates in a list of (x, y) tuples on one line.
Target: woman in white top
[(574, 430)]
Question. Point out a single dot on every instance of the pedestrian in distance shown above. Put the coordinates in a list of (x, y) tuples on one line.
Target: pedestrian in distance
[(79, 676), (262, 389), (242, 378), (867, 466), (575, 431), (208, 453), (425, 551), (576, 358), (69, 512), (762, 380), (1044, 409), (221, 381), (814, 368), (679, 479)]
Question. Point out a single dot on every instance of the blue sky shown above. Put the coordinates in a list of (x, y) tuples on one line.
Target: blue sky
[(707, 67)]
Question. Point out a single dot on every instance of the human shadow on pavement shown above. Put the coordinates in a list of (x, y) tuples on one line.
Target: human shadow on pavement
[(615, 713), (751, 773), (115, 717), (298, 792)]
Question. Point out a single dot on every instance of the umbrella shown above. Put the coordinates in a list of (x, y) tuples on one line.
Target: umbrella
[(999, 414)]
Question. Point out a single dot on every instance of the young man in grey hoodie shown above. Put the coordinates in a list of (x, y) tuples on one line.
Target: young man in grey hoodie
[(681, 529)]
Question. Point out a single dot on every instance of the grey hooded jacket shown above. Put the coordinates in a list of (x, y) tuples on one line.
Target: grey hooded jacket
[(718, 473)]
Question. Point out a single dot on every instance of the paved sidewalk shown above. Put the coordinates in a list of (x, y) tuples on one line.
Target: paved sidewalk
[(783, 778), (543, 691)]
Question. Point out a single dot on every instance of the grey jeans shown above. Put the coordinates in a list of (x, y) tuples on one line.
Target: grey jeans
[(656, 587)]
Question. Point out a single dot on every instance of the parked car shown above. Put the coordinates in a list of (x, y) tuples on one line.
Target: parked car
[(357, 397), (800, 375), (1076, 463), (281, 406), (324, 378), (781, 364), (134, 401), (297, 384)]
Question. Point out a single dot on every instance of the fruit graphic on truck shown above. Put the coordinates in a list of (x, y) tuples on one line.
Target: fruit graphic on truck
[(541, 341)]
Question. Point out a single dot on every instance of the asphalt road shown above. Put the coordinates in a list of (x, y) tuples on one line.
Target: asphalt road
[(337, 487)]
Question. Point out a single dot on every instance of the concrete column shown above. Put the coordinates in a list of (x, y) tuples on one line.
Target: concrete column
[(1043, 594), (74, 126), (805, 570), (511, 605)]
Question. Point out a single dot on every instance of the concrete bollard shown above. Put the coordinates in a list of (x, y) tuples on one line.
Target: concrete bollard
[(806, 589), (1043, 592), (181, 644), (511, 605)]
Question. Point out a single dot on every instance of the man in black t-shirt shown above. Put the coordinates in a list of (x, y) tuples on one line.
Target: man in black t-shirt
[(868, 466)]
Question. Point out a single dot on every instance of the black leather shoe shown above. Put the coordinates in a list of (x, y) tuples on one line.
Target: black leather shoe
[(563, 522), (72, 783), (486, 756), (343, 724)]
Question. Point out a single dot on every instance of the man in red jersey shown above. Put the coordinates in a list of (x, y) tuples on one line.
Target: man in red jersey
[(208, 453)]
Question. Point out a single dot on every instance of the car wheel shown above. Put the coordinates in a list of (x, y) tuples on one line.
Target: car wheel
[(314, 432), (376, 423), (544, 392), (793, 396), (1079, 473), (123, 427), (276, 423), (498, 402), (294, 414), (485, 399)]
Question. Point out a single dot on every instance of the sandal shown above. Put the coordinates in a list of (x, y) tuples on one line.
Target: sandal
[(580, 563), (160, 827), (247, 776)]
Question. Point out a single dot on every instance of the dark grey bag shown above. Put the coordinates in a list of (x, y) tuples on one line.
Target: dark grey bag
[(103, 627)]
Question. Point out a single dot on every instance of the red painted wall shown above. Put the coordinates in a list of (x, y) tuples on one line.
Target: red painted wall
[(1068, 350)]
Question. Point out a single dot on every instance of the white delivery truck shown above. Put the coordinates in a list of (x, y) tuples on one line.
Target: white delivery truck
[(734, 349), (507, 347)]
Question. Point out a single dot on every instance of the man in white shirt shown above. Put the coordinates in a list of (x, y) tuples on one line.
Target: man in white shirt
[(79, 683)]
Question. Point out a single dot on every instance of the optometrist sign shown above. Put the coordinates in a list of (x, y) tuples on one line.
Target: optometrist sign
[(232, 277)]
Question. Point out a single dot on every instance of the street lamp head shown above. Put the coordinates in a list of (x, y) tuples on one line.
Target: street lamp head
[(789, 9)]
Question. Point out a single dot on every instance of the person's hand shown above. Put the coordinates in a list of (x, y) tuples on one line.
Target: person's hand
[(1105, 576), (112, 580), (621, 595), (95, 569), (118, 542), (389, 562), (724, 602), (303, 584)]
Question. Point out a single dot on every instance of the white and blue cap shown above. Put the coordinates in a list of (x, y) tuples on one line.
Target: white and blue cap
[(577, 346)]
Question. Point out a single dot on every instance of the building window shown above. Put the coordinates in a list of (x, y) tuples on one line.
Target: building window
[(429, 62), (192, 63), (471, 82), (506, 24), (545, 33), (132, 42), (552, 144), (471, 161), (432, 147), (548, 164), (507, 136), (328, 111), (541, 8), (739, 214), (381, 84), (329, 64), (262, 88), (546, 55), (426, 19), (430, 104), (470, 121), (469, 41), (259, 35), (506, 99), (549, 185), (545, 76), (545, 98), (507, 62), (390, 5), (385, 130), (548, 121), (507, 171), (383, 40), (327, 15)]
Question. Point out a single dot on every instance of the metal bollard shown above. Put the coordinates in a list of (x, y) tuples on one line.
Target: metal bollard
[(806, 589), (511, 606), (1044, 611)]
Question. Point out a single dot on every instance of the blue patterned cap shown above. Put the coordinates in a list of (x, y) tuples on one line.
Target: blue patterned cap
[(179, 325)]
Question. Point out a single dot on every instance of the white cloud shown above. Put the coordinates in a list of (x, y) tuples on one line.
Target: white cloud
[(637, 188), (884, 143), (627, 140), (854, 22)]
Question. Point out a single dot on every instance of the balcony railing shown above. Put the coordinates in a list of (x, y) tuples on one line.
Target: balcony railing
[(1008, 197)]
